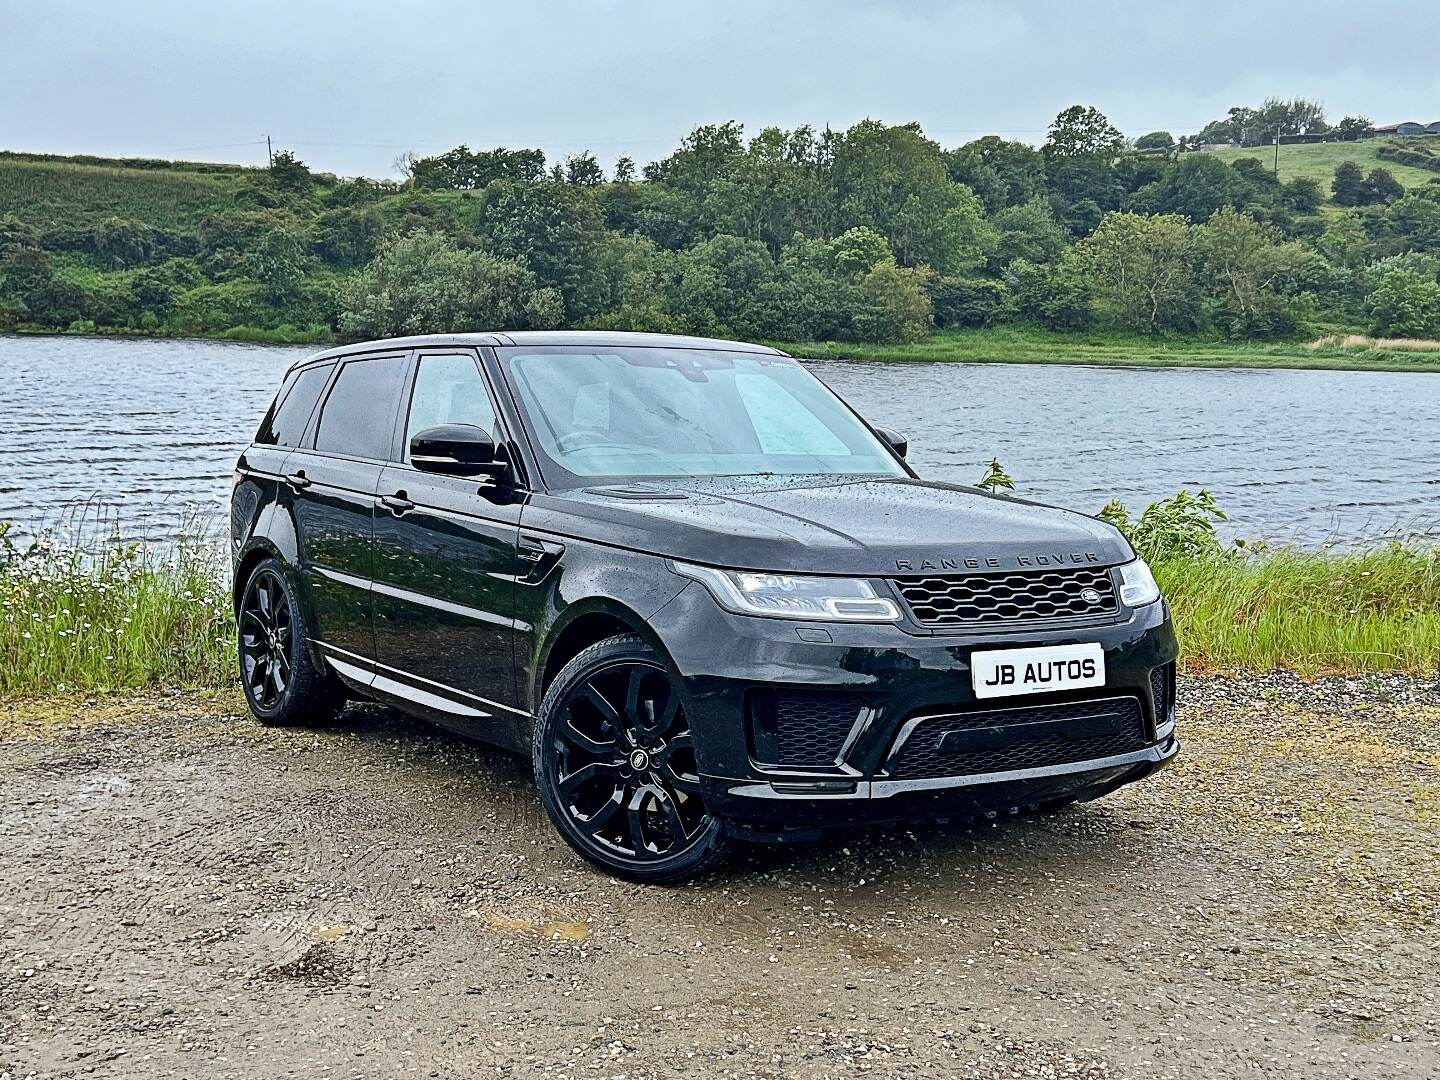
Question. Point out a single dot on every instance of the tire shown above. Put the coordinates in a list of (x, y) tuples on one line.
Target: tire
[(281, 682), (615, 767)]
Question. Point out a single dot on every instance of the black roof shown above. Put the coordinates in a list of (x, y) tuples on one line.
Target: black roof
[(600, 338)]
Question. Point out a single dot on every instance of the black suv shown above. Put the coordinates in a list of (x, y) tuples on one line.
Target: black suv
[(708, 599)]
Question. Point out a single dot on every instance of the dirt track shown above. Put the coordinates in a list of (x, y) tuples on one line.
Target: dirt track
[(185, 893)]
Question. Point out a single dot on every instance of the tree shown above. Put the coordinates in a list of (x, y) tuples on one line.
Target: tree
[(1082, 131), (1000, 172), (1413, 223), (582, 168), (553, 228), (899, 310), (1248, 270), (1381, 187), (625, 170), (1058, 296), (893, 180), (1303, 195), (423, 283), (1405, 304), (1196, 186), (1348, 187), (1156, 140), (289, 174), (1141, 269), (1028, 231), (1355, 127)]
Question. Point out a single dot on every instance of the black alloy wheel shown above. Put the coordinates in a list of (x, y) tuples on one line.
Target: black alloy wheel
[(282, 684), (615, 764), (265, 640)]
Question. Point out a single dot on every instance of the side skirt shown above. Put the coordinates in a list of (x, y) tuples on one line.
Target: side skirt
[(456, 710)]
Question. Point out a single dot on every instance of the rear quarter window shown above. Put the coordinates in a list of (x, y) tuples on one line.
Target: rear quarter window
[(285, 424)]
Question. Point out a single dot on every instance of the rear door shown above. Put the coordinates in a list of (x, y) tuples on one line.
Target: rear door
[(332, 482), (445, 549)]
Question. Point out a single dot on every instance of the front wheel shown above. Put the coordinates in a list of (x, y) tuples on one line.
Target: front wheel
[(616, 770), (282, 685)]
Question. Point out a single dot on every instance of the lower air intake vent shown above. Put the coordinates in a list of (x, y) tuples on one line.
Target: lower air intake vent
[(801, 727), (1034, 737)]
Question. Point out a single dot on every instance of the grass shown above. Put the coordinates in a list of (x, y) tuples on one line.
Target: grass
[(1309, 611), (62, 194), (1032, 345), (1318, 160), (83, 615)]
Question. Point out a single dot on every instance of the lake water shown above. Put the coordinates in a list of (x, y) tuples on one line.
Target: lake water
[(146, 431)]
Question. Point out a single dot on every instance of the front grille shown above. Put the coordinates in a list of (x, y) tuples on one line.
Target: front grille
[(1003, 599), (922, 759), (801, 727)]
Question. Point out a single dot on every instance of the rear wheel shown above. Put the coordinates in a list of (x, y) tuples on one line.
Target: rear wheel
[(282, 685), (616, 770)]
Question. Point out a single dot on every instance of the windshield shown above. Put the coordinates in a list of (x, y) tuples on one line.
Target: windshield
[(638, 412)]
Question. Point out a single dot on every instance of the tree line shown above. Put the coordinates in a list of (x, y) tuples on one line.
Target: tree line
[(872, 234)]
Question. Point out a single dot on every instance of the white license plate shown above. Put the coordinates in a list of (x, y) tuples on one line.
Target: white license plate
[(1010, 672)]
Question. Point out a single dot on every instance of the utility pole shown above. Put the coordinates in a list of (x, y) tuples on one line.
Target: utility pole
[(1277, 154), (269, 153)]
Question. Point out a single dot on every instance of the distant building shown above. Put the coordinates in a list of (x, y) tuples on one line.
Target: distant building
[(1409, 127)]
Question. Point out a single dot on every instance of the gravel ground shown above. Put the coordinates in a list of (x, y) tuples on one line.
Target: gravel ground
[(185, 893)]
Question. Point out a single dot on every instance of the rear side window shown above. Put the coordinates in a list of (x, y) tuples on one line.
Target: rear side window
[(358, 418), (288, 417)]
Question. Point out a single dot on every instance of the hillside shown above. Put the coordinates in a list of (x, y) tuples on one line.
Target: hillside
[(1318, 160), (57, 192), (766, 238)]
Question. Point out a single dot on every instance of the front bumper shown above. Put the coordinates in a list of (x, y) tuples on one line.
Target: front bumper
[(903, 688)]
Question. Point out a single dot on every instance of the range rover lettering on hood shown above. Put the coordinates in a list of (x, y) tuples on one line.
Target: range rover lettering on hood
[(991, 562)]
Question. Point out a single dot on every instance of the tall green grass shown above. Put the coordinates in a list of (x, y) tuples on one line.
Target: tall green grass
[(1376, 610), (79, 613), (85, 615)]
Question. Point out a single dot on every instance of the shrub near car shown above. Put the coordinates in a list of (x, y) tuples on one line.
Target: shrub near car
[(708, 599)]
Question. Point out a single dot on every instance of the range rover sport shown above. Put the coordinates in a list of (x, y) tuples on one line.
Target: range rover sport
[(706, 597)]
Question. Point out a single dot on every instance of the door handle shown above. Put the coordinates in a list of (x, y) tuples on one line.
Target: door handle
[(397, 503), (298, 480)]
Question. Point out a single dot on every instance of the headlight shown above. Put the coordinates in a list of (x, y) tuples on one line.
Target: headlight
[(1137, 584), (793, 596)]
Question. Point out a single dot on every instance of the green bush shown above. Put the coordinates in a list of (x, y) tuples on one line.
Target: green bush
[(969, 301), (1405, 304)]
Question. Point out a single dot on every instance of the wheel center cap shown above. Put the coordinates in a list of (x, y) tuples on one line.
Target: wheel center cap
[(639, 760)]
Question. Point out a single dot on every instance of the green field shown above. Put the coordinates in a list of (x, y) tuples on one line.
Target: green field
[(1318, 160), (51, 194), (1027, 345)]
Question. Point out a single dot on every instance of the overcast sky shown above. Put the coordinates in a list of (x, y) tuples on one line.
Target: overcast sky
[(351, 84)]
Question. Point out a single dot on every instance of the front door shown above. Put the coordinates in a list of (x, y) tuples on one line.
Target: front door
[(445, 550), (333, 483)]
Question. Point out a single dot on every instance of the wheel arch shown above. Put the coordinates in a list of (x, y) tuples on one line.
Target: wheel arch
[(585, 623), (257, 552)]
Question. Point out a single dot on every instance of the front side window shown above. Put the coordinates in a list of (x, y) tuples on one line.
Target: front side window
[(638, 412), (448, 390), (285, 424), (358, 418)]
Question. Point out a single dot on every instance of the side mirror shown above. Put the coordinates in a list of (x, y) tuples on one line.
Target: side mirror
[(898, 443), (456, 449)]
